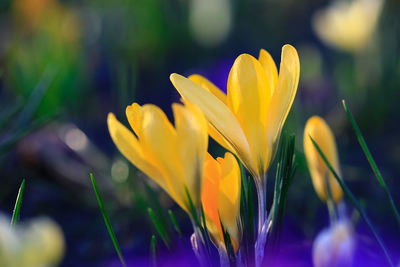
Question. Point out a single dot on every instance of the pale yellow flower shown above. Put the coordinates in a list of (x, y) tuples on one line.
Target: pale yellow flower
[(172, 156), (247, 120), (37, 243), (221, 198), (348, 25), (317, 128)]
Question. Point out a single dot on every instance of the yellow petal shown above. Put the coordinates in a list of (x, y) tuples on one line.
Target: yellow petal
[(249, 95), (317, 128), (134, 116), (128, 145), (210, 194), (229, 196), (205, 83), (192, 136), (284, 94), (160, 141), (217, 114), (270, 68)]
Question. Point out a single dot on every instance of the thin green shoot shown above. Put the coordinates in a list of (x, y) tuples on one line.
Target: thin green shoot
[(159, 227), (175, 223), (371, 161), (18, 202), (355, 203), (107, 221)]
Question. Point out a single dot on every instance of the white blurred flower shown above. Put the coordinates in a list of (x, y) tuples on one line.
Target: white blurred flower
[(348, 25), (38, 243), (334, 247), (210, 21)]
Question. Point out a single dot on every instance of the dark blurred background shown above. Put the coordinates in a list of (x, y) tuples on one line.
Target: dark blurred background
[(64, 65)]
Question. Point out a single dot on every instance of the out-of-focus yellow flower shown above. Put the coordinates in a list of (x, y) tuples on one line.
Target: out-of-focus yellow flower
[(317, 128), (221, 198), (172, 156), (347, 25), (35, 244), (247, 120), (334, 246)]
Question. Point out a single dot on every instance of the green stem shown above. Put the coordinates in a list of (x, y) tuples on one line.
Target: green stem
[(107, 221)]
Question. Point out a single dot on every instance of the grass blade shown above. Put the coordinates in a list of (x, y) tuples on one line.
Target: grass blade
[(107, 221), (18, 202), (175, 223), (371, 161), (355, 203), (159, 227)]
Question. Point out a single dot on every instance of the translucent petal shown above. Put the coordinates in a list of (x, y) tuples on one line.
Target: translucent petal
[(205, 83), (192, 136), (284, 94), (129, 146), (160, 141), (229, 196), (270, 68), (217, 114), (249, 96)]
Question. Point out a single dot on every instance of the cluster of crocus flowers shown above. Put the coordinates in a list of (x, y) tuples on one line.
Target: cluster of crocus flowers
[(333, 246), (176, 159), (37, 243), (348, 25), (247, 121)]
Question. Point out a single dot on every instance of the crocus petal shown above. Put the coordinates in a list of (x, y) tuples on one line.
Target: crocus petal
[(134, 116), (205, 83), (128, 145), (284, 94), (210, 195), (160, 141), (217, 113), (249, 95), (317, 128), (229, 196), (270, 68), (191, 130)]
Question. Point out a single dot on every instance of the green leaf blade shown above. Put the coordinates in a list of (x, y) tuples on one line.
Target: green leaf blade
[(371, 161), (107, 221), (18, 202)]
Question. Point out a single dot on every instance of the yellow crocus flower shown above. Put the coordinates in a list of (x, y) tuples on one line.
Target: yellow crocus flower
[(319, 130), (347, 25), (221, 198), (172, 156), (247, 120)]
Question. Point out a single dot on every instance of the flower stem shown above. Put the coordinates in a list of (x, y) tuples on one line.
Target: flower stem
[(260, 186), (262, 215)]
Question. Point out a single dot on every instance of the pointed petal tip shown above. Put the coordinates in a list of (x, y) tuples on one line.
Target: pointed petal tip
[(110, 117), (174, 76)]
